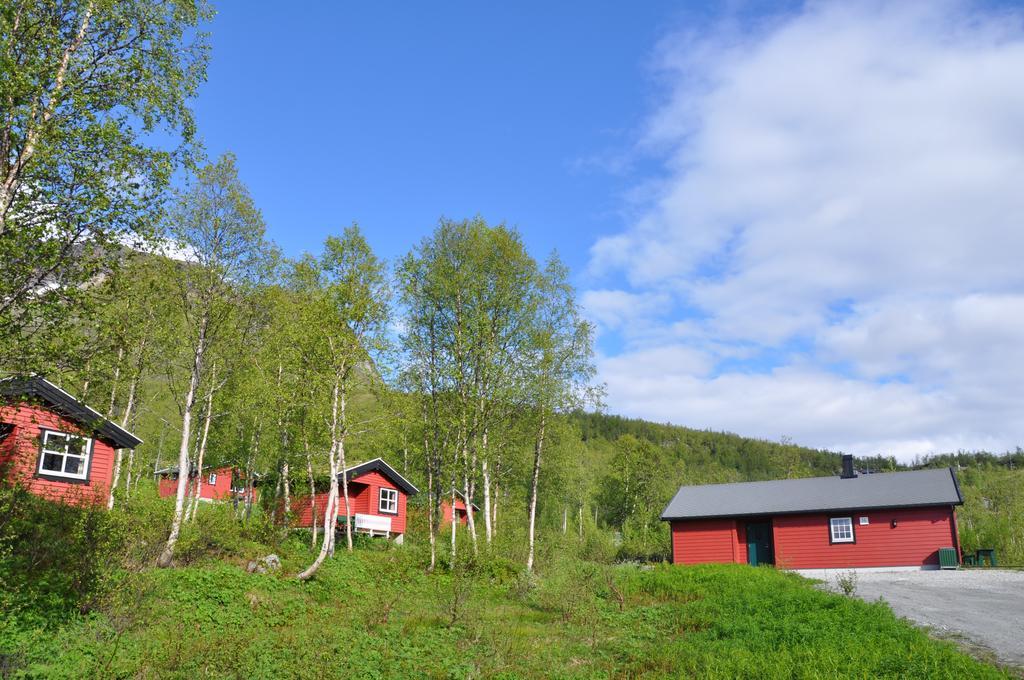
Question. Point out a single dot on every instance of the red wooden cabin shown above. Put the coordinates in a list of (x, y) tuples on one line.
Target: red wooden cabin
[(55, 445), (377, 499), (218, 484), (459, 510), (896, 519)]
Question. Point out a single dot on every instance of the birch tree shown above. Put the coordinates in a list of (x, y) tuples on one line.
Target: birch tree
[(351, 316), (219, 235), (135, 322), (85, 85), (561, 366), (469, 293)]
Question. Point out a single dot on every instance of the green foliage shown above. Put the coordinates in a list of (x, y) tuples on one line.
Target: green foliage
[(56, 559), (992, 512), (96, 120), (376, 613)]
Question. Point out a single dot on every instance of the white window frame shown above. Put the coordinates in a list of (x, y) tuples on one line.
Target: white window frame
[(387, 501), (841, 536), (49, 448), (212, 479)]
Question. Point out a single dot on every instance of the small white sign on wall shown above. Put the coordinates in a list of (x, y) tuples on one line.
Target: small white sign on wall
[(863, 521)]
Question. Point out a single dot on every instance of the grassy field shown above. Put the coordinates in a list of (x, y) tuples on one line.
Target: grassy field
[(376, 613)]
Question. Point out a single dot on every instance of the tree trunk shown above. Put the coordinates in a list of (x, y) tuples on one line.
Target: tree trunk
[(330, 512), (485, 474), (455, 523), (128, 408), (344, 477), (128, 477), (537, 450), (431, 512), (186, 432), (330, 517), (312, 487), (285, 471), (114, 382), (467, 496), (190, 515)]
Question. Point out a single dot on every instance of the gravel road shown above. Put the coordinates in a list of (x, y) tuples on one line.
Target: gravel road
[(984, 607)]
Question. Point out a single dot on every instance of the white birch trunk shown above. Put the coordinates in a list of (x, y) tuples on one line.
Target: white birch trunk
[(128, 408), (431, 513), (454, 523), (467, 496), (312, 488), (485, 475), (285, 471), (190, 515), (186, 432), (531, 536), (330, 512), (344, 477)]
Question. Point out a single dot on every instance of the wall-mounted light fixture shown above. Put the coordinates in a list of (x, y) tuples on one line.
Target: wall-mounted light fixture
[(893, 524)]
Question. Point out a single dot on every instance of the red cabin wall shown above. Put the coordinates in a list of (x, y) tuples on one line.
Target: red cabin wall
[(706, 540), (302, 510), (21, 456), (460, 510), (801, 541), (374, 481), (221, 491), (364, 496)]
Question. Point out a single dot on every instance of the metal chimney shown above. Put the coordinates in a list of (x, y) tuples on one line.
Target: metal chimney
[(848, 472)]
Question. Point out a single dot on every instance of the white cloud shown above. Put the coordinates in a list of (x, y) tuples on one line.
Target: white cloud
[(849, 179), (615, 309)]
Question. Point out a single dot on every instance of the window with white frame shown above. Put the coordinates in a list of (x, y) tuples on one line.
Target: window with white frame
[(65, 455), (389, 501), (841, 529), (212, 480)]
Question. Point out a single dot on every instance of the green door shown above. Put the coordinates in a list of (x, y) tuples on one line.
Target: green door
[(759, 543)]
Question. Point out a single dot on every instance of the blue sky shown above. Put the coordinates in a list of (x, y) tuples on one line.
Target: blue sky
[(801, 222), (394, 114)]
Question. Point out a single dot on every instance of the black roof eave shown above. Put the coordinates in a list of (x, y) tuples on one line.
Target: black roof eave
[(380, 465), (73, 409), (770, 513)]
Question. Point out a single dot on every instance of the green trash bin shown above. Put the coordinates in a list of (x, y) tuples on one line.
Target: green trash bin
[(948, 558)]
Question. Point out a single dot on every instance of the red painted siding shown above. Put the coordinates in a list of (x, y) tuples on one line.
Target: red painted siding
[(302, 510), (21, 456), (704, 540), (364, 497), (221, 491), (802, 541), (374, 481), (460, 510)]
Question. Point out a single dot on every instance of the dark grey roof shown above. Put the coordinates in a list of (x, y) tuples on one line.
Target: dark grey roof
[(40, 388), (378, 465), (879, 490)]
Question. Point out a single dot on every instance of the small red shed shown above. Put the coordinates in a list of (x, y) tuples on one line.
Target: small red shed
[(377, 498), (216, 483), (55, 445), (895, 519), (459, 510)]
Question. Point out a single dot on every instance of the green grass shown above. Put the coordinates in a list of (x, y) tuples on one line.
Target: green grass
[(376, 613)]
